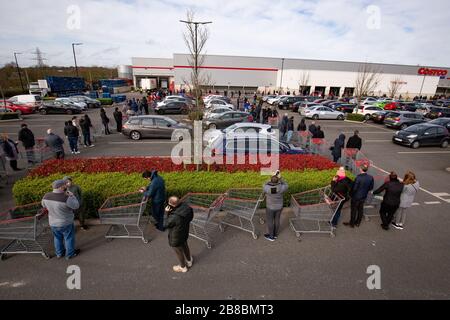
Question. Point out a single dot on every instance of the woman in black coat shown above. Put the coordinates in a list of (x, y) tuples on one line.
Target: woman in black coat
[(339, 143), (177, 220), (105, 120), (118, 117)]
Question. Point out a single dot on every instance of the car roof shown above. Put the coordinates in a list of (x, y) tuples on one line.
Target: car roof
[(149, 116), (252, 124)]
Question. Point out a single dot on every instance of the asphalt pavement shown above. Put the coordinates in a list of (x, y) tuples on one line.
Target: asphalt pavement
[(413, 262)]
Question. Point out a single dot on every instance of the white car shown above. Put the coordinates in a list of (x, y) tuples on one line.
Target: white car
[(218, 103), (322, 112), (369, 100), (265, 98), (216, 111), (81, 105), (368, 110), (244, 127), (210, 97), (271, 101)]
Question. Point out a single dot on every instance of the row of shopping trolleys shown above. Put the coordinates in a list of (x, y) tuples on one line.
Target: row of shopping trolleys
[(27, 229)]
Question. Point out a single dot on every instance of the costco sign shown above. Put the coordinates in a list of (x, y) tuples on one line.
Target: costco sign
[(432, 72)]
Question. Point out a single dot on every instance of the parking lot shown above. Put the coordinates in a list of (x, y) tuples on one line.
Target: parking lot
[(414, 262)]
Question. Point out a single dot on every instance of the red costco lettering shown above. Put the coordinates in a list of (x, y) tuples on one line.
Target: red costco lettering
[(432, 72)]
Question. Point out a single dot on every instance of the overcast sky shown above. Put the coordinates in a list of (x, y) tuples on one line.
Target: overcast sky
[(112, 31)]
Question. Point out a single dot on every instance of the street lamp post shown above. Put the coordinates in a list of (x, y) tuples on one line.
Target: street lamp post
[(18, 69), (282, 67), (74, 55), (196, 23)]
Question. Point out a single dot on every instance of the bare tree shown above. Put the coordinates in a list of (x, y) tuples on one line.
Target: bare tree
[(394, 86), (303, 81), (366, 81), (195, 37)]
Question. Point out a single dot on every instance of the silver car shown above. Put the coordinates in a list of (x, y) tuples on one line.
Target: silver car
[(320, 112), (216, 111), (152, 127)]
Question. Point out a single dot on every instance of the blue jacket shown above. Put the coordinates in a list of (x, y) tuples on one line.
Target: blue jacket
[(361, 187), (156, 190)]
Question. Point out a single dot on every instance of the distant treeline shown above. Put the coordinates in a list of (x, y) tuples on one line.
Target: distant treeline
[(10, 82)]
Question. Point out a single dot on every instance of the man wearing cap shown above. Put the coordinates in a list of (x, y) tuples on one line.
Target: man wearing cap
[(60, 204), (361, 187), (156, 190), (76, 190)]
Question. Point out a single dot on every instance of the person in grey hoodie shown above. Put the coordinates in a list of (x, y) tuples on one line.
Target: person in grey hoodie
[(410, 188), (274, 190), (60, 205)]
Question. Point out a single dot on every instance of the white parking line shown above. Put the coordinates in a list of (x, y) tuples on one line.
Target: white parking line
[(432, 202), (415, 204), (143, 142), (424, 190), (424, 152), (442, 194)]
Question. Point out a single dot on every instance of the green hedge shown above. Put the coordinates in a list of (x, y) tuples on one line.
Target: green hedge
[(105, 101), (97, 187), (9, 115), (355, 117)]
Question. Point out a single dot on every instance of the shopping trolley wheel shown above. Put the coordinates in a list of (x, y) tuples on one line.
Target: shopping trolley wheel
[(46, 256), (145, 241), (208, 245), (255, 236), (3, 257), (109, 239), (221, 228), (261, 221), (367, 219), (332, 235)]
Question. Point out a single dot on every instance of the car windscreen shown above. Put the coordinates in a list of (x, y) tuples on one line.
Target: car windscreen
[(414, 129), (171, 121)]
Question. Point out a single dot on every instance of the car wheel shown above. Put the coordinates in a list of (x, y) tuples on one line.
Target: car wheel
[(160, 111), (69, 111), (212, 126), (135, 135), (367, 117), (315, 117), (444, 144), (340, 117), (415, 145), (403, 126), (43, 111)]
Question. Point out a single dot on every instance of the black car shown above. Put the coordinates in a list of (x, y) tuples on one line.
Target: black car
[(58, 107), (227, 119), (423, 134), (438, 112), (172, 106), (286, 102), (409, 106), (445, 122), (344, 107), (378, 117), (403, 119), (328, 102)]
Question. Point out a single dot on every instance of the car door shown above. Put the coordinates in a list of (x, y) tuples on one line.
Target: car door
[(147, 128), (163, 128), (171, 107), (238, 117), (429, 137), (441, 134), (224, 120), (327, 113), (57, 107)]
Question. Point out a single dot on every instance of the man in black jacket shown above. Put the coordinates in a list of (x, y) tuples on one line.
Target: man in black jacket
[(391, 200), (26, 136), (177, 220), (72, 134), (118, 117), (354, 142), (363, 184)]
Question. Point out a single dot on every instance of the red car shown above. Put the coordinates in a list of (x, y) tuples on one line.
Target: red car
[(392, 106), (16, 107)]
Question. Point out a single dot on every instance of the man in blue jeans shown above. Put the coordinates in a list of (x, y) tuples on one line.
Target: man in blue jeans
[(156, 190), (60, 204)]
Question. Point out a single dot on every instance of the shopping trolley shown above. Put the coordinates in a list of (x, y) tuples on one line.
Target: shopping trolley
[(314, 210), (205, 207), (125, 215), (240, 207), (350, 154), (27, 228), (373, 202)]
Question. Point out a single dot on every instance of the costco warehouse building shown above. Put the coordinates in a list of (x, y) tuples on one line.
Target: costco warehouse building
[(250, 74)]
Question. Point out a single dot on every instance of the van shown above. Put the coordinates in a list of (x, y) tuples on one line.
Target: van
[(31, 100)]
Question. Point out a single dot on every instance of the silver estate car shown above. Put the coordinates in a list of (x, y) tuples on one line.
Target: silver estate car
[(151, 127)]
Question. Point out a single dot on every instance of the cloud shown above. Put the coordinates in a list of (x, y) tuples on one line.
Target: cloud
[(113, 31)]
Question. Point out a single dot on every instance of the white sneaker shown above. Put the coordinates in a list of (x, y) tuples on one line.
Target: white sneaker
[(92, 145), (190, 262), (180, 269), (72, 152), (78, 152)]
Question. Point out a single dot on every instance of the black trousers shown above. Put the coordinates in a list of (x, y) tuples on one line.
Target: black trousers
[(59, 154), (119, 126), (357, 211), (13, 164), (387, 213), (183, 253)]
